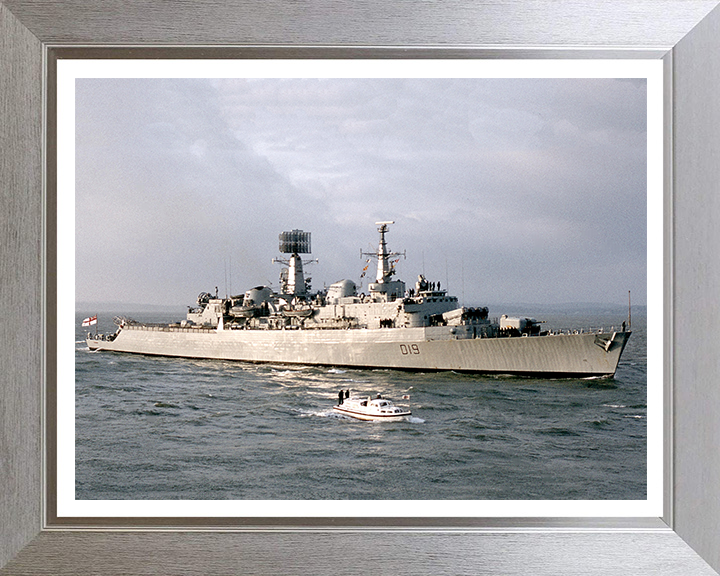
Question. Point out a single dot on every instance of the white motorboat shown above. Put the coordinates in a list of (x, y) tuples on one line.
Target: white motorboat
[(367, 408)]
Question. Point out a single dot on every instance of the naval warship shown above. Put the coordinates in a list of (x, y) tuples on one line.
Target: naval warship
[(420, 328)]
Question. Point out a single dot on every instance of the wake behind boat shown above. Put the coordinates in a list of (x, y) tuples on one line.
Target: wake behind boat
[(392, 326), (367, 408)]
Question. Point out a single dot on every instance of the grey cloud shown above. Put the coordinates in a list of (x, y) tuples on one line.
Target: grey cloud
[(526, 189)]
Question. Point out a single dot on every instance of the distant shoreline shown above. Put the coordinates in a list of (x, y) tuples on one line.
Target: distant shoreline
[(506, 308), (118, 307)]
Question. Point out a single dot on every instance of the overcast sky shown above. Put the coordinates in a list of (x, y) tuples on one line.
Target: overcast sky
[(511, 191)]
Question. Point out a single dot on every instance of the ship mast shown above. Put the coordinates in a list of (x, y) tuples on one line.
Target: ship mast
[(384, 268)]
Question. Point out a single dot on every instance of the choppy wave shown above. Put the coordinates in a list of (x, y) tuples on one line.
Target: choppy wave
[(171, 428)]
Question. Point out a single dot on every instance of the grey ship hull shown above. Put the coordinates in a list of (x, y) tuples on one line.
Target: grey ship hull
[(420, 349)]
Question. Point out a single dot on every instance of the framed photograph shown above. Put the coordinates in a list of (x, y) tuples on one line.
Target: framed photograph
[(370, 129), (119, 140)]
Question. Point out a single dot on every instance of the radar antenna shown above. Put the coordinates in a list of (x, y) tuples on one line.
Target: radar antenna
[(292, 279)]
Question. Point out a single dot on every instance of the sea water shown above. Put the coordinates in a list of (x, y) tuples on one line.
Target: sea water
[(173, 428)]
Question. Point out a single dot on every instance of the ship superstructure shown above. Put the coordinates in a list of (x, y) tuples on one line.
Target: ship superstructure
[(390, 326)]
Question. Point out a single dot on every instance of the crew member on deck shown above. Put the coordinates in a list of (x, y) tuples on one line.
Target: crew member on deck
[(341, 396)]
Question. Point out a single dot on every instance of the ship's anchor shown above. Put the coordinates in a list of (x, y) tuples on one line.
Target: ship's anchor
[(605, 342)]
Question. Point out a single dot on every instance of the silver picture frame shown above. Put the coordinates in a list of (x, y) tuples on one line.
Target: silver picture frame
[(684, 34)]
